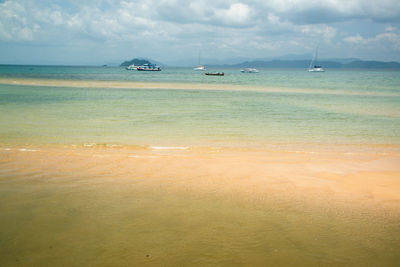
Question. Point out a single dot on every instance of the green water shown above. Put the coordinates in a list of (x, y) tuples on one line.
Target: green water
[(67, 209), (377, 81), (337, 107)]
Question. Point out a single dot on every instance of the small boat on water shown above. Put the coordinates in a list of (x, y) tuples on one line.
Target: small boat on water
[(200, 67), (316, 69), (132, 67), (313, 67), (215, 73), (249, 70), (149, 67)]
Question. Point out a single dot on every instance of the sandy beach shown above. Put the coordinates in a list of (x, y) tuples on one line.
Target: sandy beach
[(360, 177), (155, 205)]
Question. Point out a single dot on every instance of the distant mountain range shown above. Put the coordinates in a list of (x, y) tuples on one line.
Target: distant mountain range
[(288, 61), (349, 64), (285, 61)]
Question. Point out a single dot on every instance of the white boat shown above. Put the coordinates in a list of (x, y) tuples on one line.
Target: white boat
[(132, 67), (316, 69), (149, 67), (313, 64), (249, 70), (199, 67)]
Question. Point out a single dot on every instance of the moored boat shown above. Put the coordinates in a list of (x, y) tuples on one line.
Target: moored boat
[(249, 70), (215, 73), (315, 68), (149, 67), (132, 67), (200, 67)]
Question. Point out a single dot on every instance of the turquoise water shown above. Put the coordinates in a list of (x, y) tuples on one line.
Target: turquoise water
[(348, 80), (202, 207), (335, 107)]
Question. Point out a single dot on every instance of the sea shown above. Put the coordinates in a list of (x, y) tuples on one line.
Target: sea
[(273, 108), (103, 166)]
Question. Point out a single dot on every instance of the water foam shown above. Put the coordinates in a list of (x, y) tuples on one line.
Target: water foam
[(28, 150), (169, 147)]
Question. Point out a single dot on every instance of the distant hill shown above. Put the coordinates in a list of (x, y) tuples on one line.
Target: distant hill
[(372, 65), (285, 64), (136, 61), (357, 64)]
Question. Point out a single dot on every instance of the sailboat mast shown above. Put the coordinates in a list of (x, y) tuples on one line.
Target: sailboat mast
[(314, 67), (312, 61), (199, 57), (314, 58)]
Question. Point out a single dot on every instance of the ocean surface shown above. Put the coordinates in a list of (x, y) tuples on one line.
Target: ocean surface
[(274, 107), (100, 166)]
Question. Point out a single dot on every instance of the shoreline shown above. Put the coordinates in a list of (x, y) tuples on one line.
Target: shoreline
[(368, 178), (283, 147), (119, 206)]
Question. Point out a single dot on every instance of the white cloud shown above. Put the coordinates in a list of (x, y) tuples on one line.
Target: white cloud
[(391, 39), (316, 11), (223, 26), (390, 28), (319, 31), (354, 39), (236, 14), (124, 17)]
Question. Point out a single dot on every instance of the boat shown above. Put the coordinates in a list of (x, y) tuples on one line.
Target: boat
[(132, 67), (200, 67), (249, 70), (316, 69), (215, 73), (313, 67), (149, 67)]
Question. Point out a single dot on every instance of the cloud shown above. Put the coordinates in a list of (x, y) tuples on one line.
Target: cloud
[(28, 19), (15, 23), (390, 28), (354, 39), (319, 12), (224, 27), (389, 39), (237, 13), (324, 31)]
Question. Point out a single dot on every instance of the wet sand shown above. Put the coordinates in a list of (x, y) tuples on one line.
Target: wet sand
[(179, 86), (369, 175), (101, 205)]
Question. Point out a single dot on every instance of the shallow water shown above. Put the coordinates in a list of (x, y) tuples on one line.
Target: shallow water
[(244, 116), (106, 167)]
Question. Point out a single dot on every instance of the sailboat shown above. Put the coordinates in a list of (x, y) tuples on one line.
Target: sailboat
[(313, 64), (200, 67)]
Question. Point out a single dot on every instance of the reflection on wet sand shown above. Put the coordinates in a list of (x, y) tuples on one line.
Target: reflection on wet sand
[(113, 206)]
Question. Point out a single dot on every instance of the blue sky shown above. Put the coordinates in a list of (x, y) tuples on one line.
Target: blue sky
[(104, 31)]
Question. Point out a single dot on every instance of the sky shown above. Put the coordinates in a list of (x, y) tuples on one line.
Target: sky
[(80, 32)]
